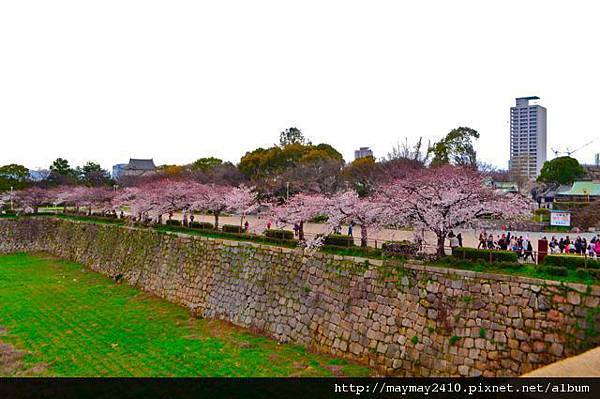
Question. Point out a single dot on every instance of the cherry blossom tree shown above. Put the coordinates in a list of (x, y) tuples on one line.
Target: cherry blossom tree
[(444, 198), (241, 201), (93, 198), (30, 199), (349, 207), (213, 199), (298, 209), (168, 196)]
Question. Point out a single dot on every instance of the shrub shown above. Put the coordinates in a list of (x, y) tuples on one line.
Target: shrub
[(202, 225), (484, 254), (339, 240), (173, 222), (363, 252), (582, 273), (232, 228), (508, 265), (281, 234), (571, 262), (395, 248), (555, 270)]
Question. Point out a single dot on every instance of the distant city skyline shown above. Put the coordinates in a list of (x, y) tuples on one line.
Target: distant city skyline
[(222, 78)]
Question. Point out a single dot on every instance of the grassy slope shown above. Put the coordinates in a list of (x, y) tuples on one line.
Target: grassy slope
[(79, 323)]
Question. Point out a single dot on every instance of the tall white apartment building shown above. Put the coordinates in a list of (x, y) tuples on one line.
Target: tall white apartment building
[(363, 152), (527, 137)]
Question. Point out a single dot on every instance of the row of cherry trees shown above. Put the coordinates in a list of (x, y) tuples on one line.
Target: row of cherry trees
[(436, 199)]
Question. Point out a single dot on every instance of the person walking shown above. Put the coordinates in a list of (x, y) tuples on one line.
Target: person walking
[(459, 237), (454, 242), (481, 240), (350, 228), (529, 252)]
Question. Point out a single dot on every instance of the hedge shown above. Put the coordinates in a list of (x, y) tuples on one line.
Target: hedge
[(484, 254), (571, 262), (281, 234), (555, 270), (339, 240), (395, 248), (173, 222), (588, 273), (202, 225), (232, 228)]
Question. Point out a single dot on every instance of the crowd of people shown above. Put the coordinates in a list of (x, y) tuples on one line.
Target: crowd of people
[(579, 246), (522, 245)]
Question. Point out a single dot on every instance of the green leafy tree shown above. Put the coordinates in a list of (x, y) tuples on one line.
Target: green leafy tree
[(456, 148), (561, 170), (13, 175), (292, 135), (61, 166), (362, 175), (61, 173), (92, 174), (265, 162), (205, 164)]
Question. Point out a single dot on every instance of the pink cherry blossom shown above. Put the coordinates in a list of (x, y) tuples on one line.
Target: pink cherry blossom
[(444, 198)]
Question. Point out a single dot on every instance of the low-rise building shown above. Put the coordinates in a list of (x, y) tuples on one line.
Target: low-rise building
[(580, 191), (138, 167), (363, 152)]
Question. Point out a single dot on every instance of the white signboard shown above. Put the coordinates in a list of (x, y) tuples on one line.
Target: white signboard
[(559, 218)]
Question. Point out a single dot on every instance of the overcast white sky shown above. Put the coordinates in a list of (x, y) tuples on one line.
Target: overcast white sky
[(178, 80)]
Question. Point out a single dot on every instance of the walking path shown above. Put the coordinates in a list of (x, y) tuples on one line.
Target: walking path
[(585, 365), (470, 236)]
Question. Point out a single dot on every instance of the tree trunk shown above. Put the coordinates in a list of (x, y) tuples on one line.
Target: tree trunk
[(441, 239), (185, 219), (364, 239), (301, 231), (216, 220)]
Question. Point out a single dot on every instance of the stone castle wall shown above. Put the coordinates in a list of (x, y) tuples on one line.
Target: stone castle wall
[(403, 319)]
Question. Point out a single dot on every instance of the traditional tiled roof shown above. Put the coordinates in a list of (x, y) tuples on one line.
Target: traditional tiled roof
[(140, 164)]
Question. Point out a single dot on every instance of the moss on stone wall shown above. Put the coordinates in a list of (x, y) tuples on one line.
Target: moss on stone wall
[(404, 319)]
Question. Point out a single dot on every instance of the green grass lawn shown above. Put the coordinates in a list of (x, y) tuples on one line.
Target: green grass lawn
[(59, 319)]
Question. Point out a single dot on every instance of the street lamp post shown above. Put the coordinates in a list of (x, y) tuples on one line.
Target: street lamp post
[(287, 192)]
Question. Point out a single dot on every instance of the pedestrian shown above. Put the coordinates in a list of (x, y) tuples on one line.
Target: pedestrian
[(529, 252), (454, 242), (269, 225), (350, 228), (481, 240), (296, 229), (246, 226), (459, 237)]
